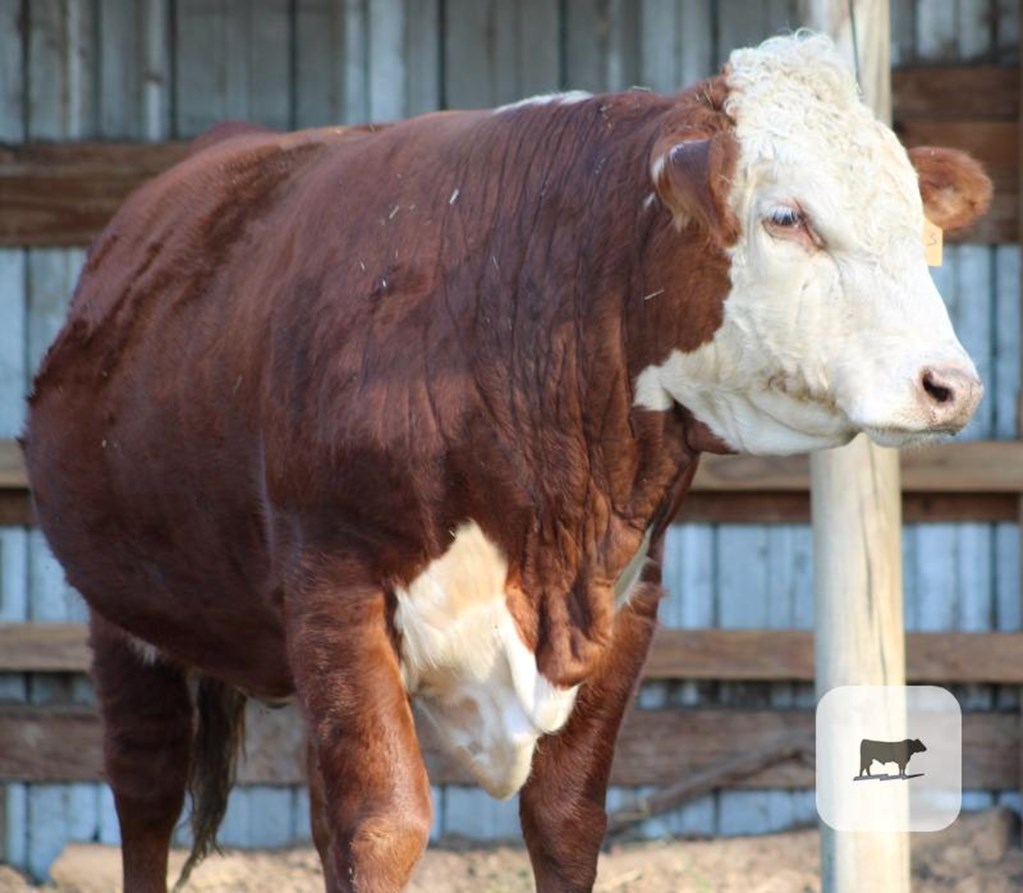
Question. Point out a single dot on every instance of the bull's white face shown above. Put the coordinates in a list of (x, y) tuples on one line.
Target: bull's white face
[(833, 325)]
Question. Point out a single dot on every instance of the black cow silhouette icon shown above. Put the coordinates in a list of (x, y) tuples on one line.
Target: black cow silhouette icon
[(898, 752)]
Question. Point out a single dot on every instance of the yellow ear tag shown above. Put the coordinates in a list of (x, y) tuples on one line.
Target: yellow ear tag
[(932, 243)]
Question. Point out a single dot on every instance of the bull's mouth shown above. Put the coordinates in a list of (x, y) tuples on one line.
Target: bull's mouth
[(895, 436)]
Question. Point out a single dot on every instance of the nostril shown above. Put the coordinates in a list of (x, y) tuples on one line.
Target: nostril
[(939, 390)]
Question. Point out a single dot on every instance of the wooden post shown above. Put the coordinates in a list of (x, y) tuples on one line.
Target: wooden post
[(856, 511)]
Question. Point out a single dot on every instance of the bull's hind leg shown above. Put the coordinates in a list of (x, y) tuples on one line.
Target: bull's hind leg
[(375, 795), (562, 804), (147, 734), (318, 816)]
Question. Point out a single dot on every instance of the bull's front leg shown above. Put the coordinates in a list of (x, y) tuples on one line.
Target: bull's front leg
[(375, 797), (562, 805)]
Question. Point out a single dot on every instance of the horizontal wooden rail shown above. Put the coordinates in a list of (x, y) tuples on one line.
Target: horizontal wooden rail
[(777, 655), (978, 480), (655, 747), (44, 648), (731, 507), (974, 466), (955, 91), (63, 194), (787, 655)]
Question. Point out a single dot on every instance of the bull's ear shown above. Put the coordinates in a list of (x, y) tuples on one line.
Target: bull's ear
[(954, 187), (693, 178)]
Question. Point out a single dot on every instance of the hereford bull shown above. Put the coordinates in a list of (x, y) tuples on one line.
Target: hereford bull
[(366, 416)]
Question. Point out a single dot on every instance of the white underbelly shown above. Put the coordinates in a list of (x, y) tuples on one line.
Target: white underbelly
[(468, 668)]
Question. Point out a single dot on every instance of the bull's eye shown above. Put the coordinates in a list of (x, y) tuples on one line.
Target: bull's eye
[(785, 217), (791, 224)]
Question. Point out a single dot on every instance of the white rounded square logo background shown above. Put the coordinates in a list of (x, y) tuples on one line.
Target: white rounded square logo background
[(929, 798)]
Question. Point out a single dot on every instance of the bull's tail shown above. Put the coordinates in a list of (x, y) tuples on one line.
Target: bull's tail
[(218, 737)]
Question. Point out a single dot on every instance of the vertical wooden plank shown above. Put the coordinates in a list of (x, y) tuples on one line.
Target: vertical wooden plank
[(743, 583), (938, 546), (976, 30), (780, 17), (234, 830), (15, 842), (974, 578), (133, 71), (602, 49), (471, 813), (1008, 612), (121, 74), (270, 820), (903, 32), (263, 50), (13, 580), (156, 89), (479, 53), (623, 45), (61, 70), (387, 60), (585, 23), (496, 52), (233, 61), (909, 580), (12, 85), (1007, 373), (236, 26), (748, 598), (49, 827), (13, 358), (320, 63), (437, 805), (538, 49), (302, 831), (356, 64), (51, 277), (972, 307), (689, 577), (936, 30), (972, 311), (740, 24), (109, 831), (200, 79), (659, 45), (52, 273), (421, 54), (697, 53), (933, 600), (1007, 27)]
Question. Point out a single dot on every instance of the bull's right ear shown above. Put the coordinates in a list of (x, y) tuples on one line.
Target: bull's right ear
[(693, 177)]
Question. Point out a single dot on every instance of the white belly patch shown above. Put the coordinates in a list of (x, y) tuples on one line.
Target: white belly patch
[(468, 668)]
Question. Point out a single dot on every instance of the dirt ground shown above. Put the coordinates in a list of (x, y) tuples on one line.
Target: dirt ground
[(980, 853)]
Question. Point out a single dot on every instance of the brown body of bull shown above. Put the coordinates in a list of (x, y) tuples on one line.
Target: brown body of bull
[(293, 364)]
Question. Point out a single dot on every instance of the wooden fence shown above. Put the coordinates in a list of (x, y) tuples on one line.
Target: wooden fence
[(657, 747)]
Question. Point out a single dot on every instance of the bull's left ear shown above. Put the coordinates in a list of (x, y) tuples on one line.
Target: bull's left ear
[(954, 187), (693, 177)]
